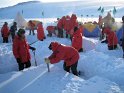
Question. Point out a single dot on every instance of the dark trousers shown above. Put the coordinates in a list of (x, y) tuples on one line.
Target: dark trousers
[(60, 32), (24, 65), (31, 31), (13, 35), (112, 47), (5, 39), (72, 67), (123, 47)]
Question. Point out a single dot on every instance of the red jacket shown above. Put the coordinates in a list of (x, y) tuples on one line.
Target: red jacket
[(60, 24), (31, 25), (5, 31), (67, 25), (21, 49), (63, 52), (63, 21), (50, 28), (111, 37), (77, 40), (73, 22), (40, 32), (81, 30)]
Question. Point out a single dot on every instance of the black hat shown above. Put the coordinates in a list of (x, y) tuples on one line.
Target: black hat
[(75, 29), (21, 31), (14, 23), (6, 23)]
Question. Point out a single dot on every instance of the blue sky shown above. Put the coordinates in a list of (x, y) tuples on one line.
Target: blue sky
[(5, 3)]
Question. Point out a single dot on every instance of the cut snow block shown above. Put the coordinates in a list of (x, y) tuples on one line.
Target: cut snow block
[(99, 85), (89, 43)]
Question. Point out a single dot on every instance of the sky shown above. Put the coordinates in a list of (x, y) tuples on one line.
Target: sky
[(6, 3)]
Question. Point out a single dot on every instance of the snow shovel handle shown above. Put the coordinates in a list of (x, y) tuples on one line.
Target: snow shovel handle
[(48, 67), (34, 58)]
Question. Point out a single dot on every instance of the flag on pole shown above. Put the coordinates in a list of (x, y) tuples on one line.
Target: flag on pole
[(99, 9), (22, 12), (114, 11), (43, 13), (102, 10)]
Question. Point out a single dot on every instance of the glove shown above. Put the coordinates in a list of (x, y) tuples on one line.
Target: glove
[(47, 60), (32, 48), (18, 60)]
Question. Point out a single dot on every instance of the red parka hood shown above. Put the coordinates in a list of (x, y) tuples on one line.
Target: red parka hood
[(54, 45)]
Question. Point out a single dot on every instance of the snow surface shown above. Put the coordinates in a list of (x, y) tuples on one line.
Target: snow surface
[(53, 10), (102, 70)]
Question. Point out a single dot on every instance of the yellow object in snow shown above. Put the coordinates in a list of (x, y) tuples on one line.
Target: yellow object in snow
[(89, 26)]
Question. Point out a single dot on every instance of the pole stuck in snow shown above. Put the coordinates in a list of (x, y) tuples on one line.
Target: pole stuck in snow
[(48, 67), (34, 58)]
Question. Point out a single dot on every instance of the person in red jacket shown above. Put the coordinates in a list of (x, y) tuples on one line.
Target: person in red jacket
[(31, 27), (111, 38), (60, 28), (51, 29), (40, 32), (5, 32), (73, 21), (67, 26), (62, 52), (77, 40), (21, 50)]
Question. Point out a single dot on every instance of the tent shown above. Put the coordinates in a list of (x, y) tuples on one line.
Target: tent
[(120, 34), (21, 22), (91, 30)]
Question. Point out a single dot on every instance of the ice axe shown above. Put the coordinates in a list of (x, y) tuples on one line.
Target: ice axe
[(34, 58), (48, 67)]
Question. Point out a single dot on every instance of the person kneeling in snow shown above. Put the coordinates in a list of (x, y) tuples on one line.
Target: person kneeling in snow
[(21, 50), (111, 38), (62, 52)]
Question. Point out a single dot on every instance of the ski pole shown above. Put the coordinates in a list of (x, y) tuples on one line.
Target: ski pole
[(48, 67), (34, 58)]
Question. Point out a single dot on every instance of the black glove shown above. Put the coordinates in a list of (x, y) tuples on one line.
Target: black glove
[(32, 48), (18, 60)]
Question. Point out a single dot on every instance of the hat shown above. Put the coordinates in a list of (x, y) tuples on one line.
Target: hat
[(6, 23), (21, 31), (75, 29)]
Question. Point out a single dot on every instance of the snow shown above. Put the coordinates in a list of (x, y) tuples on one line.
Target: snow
[(102, 69)]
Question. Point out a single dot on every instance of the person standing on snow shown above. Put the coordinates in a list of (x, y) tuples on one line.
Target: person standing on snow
[(5, 32), (111, 38), (40, 32), (77, 40), (62, 52), (60, 28), (31, 27), (13, 30), (21, 50)]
